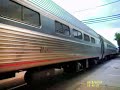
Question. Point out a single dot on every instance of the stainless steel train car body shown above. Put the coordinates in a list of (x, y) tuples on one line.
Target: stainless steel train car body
[(109, 48), (24, 46)]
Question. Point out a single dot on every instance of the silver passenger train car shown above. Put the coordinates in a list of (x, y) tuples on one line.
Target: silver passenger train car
[(40, 34)]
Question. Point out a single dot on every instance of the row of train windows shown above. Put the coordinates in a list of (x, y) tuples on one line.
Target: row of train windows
[(65, 30), (21, 13), (109, 46), (18, 12)]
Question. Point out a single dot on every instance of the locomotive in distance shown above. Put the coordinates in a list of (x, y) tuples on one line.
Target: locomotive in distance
[(37, 35)]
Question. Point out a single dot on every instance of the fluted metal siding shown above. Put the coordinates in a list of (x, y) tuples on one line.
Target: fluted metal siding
[(25, 46), (17, 46)]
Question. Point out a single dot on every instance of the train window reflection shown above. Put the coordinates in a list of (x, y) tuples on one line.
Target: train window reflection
[(58, 27), (61, 28), (77, 34), (10, 9), (92, 40), (86, 37), (30, 16), (66, 30)]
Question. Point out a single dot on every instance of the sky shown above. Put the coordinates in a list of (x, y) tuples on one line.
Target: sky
[(90, 9)]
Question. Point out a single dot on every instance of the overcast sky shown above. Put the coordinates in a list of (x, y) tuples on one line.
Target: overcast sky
[(89, 9)]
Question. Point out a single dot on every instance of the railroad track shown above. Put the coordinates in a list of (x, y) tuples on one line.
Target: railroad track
[(17, 87)]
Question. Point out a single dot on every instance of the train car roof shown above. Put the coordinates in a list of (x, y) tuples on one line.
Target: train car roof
[(53, 8)]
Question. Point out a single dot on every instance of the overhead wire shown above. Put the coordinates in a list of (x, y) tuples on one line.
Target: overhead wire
[(102, 19), (98, 6)]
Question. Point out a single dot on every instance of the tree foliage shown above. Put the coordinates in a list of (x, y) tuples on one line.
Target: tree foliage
[(117, 38)]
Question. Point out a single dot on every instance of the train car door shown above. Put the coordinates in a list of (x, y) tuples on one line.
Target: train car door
[(102, 47)]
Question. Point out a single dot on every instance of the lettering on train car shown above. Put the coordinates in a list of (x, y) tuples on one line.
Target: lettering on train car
[(45, 50)]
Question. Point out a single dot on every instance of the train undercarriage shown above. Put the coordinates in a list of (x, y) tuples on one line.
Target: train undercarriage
[(49, 71), (67, 67)]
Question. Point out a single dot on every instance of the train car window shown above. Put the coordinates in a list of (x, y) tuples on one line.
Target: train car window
[(58, 27), (66, 30), (86, 37), (109, 46), (61, 28), (92, 40), (77, 34), (30, 16), (15, 11), (10, 9), (3, 7)]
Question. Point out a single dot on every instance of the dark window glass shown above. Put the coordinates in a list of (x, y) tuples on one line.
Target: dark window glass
[(58, 27), (10, 9), (61, 28), (30, 16), (92, 40), (109, 46), (14, 10), (4, 7), (18, 12), (86, 37), (66, 30), (77, 34)]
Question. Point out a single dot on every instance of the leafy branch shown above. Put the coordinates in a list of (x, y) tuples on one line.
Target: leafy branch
[(117, 38)]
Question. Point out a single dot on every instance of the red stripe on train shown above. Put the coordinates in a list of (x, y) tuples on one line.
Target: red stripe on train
[(33, 62)]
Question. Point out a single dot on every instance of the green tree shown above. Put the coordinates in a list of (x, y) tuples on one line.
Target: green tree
[(117, 38)]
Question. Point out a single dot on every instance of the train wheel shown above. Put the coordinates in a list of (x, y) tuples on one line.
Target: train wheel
[(68, 68), (73, 67), (28, 77), (34, 75), (95, 61), (105, 58)]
